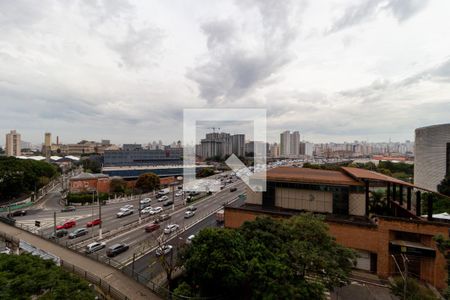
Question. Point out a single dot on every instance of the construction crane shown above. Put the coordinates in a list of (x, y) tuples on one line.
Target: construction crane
[(214, 129)]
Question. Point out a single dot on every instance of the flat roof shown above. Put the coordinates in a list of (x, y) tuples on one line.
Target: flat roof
[(313, 176), (371, 175)]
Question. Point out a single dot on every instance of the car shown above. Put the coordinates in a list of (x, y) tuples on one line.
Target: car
[(95, 246), (163, 198), (168, 203), (179, 193), (163, 192), (192, 208), (126, 207), (17, 213), (171, 228), (67, 225), (146, 210), (116, 249), (94, 222), (163, 250), (152, 227), (233, 189), (156, 210), (78, 232), (145, 201), (189, 213), (68, 208), (123, 213), (162, 218), (189, 239), (59, 234)]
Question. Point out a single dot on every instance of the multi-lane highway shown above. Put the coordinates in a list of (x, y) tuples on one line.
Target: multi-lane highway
[(129, 229)]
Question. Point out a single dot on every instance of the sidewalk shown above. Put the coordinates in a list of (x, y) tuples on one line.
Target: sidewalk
[(118, 280)]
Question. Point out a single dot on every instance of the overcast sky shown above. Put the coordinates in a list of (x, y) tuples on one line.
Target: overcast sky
[(125, 70)]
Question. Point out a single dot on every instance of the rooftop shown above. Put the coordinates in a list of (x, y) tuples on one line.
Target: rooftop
[(305, 175)]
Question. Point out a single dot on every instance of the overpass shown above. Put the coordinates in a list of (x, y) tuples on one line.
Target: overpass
[(111, 280)]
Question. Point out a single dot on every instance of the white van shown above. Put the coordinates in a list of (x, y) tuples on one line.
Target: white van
[(163, 192)]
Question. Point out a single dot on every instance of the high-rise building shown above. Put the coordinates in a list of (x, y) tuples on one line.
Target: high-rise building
[(222, 144), (47, 147), (285, 144), (238, 144), (13, 144), (295, 144), (432, 155)]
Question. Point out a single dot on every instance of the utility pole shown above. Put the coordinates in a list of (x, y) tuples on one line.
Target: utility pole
[(139, 210), (100, 217), (405, 264), (54, 224)]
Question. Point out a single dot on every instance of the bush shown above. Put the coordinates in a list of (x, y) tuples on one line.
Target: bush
[(414, 290), (85, 197)]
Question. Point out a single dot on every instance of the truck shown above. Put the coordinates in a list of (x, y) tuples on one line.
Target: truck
[(163, 192), (220, 216)]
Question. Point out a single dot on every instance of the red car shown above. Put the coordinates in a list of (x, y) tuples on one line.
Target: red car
[(152, 227), (94, 222), (67, 225)]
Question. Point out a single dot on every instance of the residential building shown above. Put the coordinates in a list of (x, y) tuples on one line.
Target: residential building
[(432, 155), (344, 199), (13, 144), (238, 144), (221, 144), (274, 150), (285, 144), (295, 144)]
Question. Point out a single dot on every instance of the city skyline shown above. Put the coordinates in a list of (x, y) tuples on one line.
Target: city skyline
[(336, 71)]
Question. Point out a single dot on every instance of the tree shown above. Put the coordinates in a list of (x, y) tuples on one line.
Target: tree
[(268, 258), (118, 185), (92, 165), (148, 182), (205, 172), (29, 277), (444, 186)]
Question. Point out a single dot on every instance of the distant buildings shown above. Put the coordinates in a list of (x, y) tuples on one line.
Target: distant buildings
[(220, 144), (13, 145), (290, 144), (135, 155), (432, 155)]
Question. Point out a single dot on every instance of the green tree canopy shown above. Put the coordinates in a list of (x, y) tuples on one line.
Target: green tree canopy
[(148, 182), (19, 176), (30, 277), (444, 186), (205, 172), (268, 259), (117, 185)]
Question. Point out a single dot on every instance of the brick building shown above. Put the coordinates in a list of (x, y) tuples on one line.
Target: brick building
[(345, 199), (88, 183)]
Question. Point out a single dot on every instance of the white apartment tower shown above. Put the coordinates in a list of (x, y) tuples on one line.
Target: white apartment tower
[(295, 144), (285, 144), (13, 144)]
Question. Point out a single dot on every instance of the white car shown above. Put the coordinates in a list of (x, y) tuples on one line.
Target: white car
[(189, 239), (163, 198), (179, 193), (95, 246), (156, 210), (165, 249), (146, 210), (146, 201), (171, 228), (123, 213), (126, 207), (189, 213)]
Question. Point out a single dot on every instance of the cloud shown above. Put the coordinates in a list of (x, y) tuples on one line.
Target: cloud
[(366, 10), (239, 59)]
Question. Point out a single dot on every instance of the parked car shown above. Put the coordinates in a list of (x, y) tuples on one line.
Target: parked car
[(189, 213), (116, 249), (152, 227), (168, 203), (94, 222), (192, 208), (68, 208), (171, 228), (163, 198), (162, 218), (123, 213), (59, 234), (17, 213), (78, 232), (163, 250), (127, 207), (95, 246), (67, 225), (189, 239), (146, 210), (156, 210)]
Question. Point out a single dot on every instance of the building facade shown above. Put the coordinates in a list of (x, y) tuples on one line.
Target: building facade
[(13, 144), (285, 144), (432, 155), (221, 144), (143, 157), (344, 199)]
